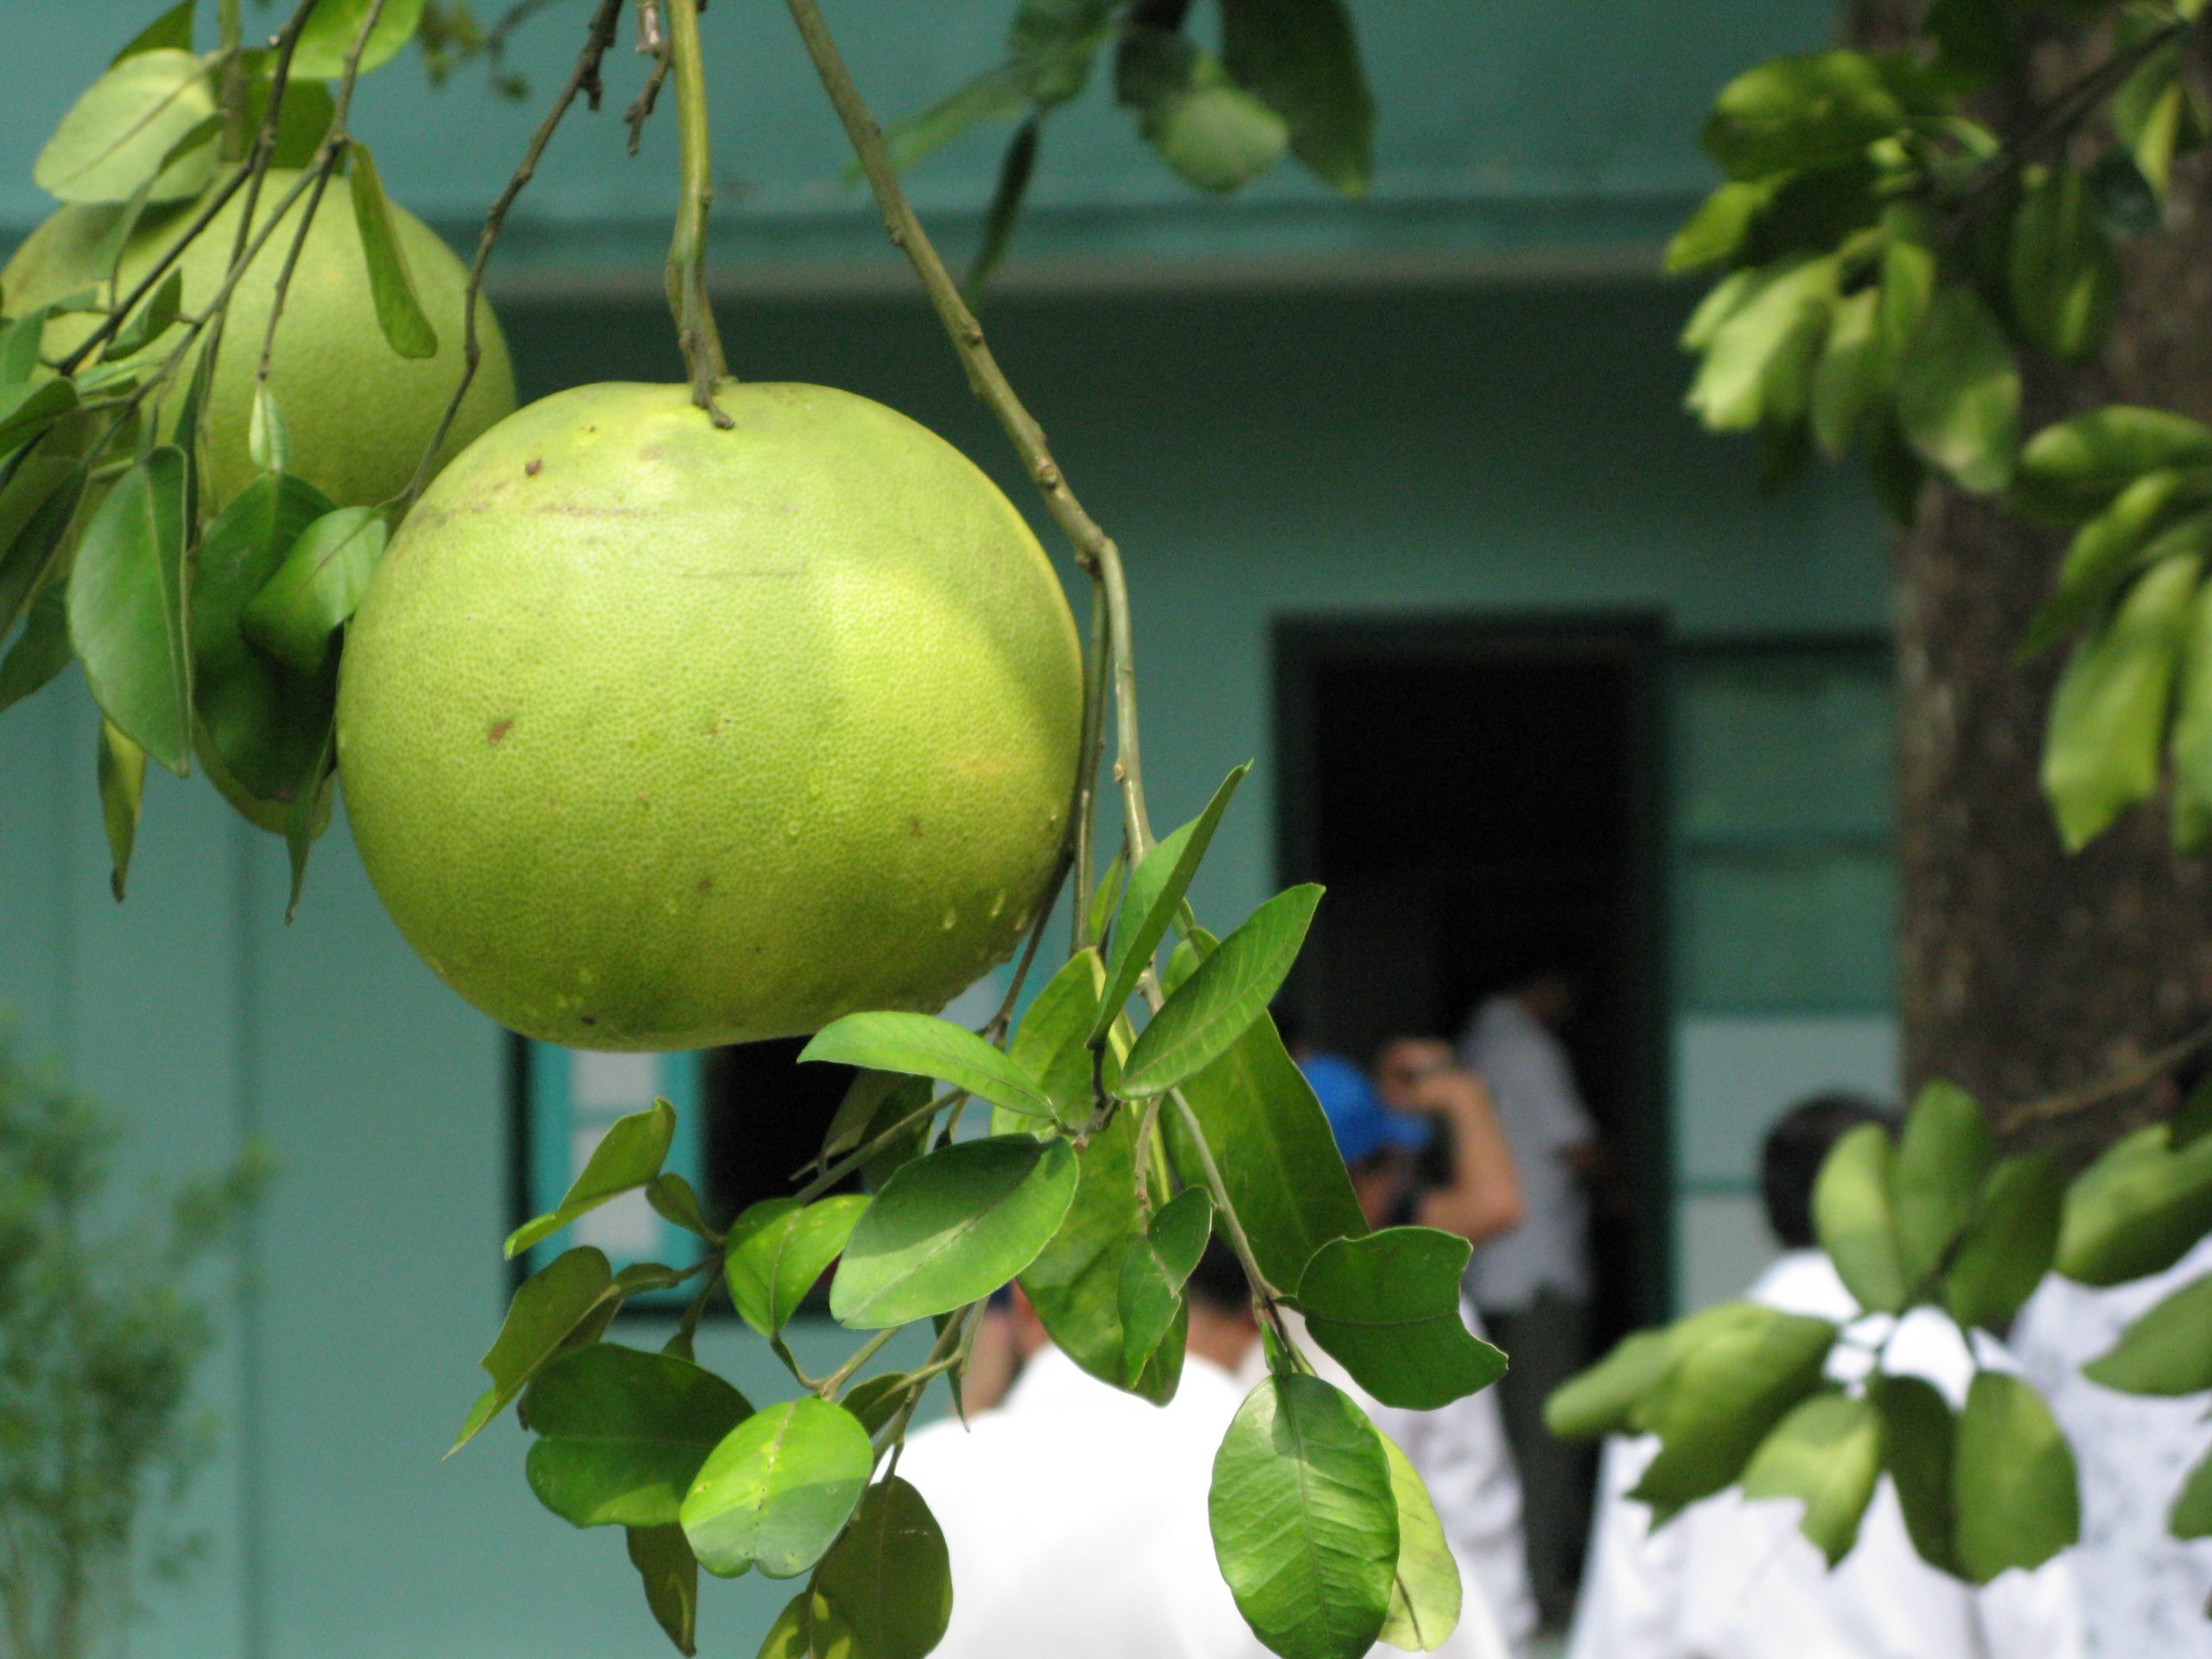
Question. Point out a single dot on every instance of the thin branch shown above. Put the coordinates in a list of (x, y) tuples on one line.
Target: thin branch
[(2125, 1080), (687, 253), (598, 40), (831, 1385)]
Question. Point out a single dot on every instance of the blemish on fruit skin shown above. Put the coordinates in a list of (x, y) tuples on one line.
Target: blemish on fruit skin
[(705, 884), (914, 828), (531, 467), (497, 729)]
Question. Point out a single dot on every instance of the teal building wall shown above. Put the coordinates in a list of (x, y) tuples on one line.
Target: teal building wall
[(1459, 400)]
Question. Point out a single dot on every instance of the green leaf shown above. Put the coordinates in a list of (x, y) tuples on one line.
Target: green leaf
[(2064, 275), (547, 1311), (317, 587), (21, 342), (269, 436), (924, 1047), (2110, 547), (1908, 287), (266, 723), (1229, 991), (1851, 375), (327, 38), (1607, 1398), (407, 330), (890, 1578), (622, 1433), (2150, 113), (869, 1107), (1827, 1454), (627, 1156), (952, 1227), (2009, 1246), (41, 651), (2014, 1485), (2192, 1119), (150, 320), (1211, 131), (303, 123), (2188, 750), (27, 410), (670, 1573), (1387, 1307), (2192, 1514), (2108, 719), (2074, 470), (1301, 59), (122, 791), (808, 1628), (1959, 392), (171, 31), (1155, 892), (1918, 1441), (38, 507), (675, 1201), (1154, 1272), (876, 1400), (121, 129), (997, 94), (2137, 1209), (1304, 1519), (1759, 363), (777, 1490), (778, 1248), (1278, 1163), (1055, 43), (1852, 1217), (1747, 1367), (1801, 112), (1425, 1588), (2168, 1350), (1052, 1044), (126, 608), (1941, 1158), (1016, 170), (1720, 227)]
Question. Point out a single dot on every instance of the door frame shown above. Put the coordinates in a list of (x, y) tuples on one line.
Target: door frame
[(1636, 639)]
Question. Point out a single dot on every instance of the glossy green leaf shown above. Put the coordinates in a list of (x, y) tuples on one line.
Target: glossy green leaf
[(1387, 1307), (1852, 1217), (1052, 1043), (2074, 470), (28, 408), (2108, 720), (2132, 531), (1801, 112), (1918, 1444), (778, 1250), (1278, 1161), (327, 39), (1155, 892), (2167, 1350), (2192, 1514), (2137, 1209), (269, 436), (1425, 1591), (1851, 375), (868, 1110), (924, 1047), (1304, 1519), (153, 318), (2064, 275), (1958, 392), (301, 124), (2013, 1486), (126, 608), (1224, 995), (1301, 59), (875, 1400), (1827, 1454), (2188, 752), (777, 1490), (40, 652), (1747, 1368), (317, 587), (406, 327), (2150, 113), (170, 31), (122, 769), (808, 1628), (1942, 1157), (122, 129), (1154, 1272), (38, 508), (623, 1434), (952, 1227), (547, 1311), (890, 1578), (627, 1156), (21, 343), (2009, 1245), (669, 1573), (674, 1200), (1607, 1397), (1760, 359)]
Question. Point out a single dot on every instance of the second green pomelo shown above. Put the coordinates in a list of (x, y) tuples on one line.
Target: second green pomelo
[(655, 735), (359, 414)]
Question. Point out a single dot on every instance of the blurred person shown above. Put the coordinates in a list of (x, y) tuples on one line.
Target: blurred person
[(2143, 1590), (1731, 1578), (1076, 1514), (1533, 1283), (1458, 1450)]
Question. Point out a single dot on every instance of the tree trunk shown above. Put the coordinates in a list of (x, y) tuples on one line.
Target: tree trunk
[(2026, 972)]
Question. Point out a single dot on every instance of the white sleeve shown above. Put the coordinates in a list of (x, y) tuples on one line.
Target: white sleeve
[(2038, 1612), (1631, 1588)]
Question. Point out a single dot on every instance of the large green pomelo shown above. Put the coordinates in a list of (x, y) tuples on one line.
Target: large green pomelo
[(658, 735), (359, 413)]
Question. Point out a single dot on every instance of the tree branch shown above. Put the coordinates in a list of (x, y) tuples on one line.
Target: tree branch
[(687, 253)]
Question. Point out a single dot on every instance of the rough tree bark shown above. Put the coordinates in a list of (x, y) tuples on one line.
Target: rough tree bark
[(2026, 972)]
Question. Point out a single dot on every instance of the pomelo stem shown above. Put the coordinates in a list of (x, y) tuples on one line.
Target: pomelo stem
[(687, 253)]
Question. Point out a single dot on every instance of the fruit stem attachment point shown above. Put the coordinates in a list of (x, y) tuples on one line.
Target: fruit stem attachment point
[(687, 253)]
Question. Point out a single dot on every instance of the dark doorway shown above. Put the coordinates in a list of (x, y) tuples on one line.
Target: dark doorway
[(1469, 792)]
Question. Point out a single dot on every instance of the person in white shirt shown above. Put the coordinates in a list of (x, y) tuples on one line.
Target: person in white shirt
[(1533, 1283), (1075, 1515), (1734, 1579), (2143, 1591)]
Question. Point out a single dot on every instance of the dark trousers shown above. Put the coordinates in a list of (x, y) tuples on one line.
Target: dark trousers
[(1547, 1345)]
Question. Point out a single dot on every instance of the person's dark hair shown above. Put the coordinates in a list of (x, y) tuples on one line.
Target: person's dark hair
[(1796, 1146), (1218, 1282)]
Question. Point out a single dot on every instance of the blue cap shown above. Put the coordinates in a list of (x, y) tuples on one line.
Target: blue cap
[(1362, 1123)]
